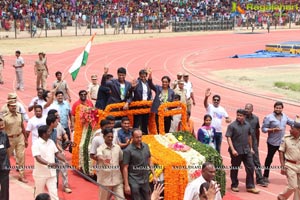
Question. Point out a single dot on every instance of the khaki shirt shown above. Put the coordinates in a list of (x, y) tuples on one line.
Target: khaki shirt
[(290, 146), (13, 123), (110, 174), (40, 64), (182, 94), (93, 91)]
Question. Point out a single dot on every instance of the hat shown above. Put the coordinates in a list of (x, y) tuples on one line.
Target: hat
[(185, 74), (11, 96), (12, 102), (94, 77), (179, 74), (180, 81)]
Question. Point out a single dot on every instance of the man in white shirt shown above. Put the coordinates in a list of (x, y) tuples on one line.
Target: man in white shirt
[(19, 64), (35, 122), (189, 92), (217, 113), (44, 152), (208, 174), (98, 138), (38, 100)]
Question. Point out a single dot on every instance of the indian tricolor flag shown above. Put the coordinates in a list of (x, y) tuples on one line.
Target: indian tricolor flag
[(81, 60)]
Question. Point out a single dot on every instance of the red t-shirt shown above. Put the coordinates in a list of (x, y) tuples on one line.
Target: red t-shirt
[(78, 102)]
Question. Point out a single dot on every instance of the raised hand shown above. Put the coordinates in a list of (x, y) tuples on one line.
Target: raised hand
[(207, 92)]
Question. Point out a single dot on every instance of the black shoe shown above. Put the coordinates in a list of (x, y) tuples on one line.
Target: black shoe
[(266, 180), (262, 183)]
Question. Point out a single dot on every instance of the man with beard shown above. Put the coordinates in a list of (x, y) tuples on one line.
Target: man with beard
[(274, 124)]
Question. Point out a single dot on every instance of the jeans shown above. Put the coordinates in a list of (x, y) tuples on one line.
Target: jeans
[(218, 141), (269, 159)]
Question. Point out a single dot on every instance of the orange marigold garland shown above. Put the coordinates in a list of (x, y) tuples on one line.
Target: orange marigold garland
[(164, 111), (175, 173), (77, 137)]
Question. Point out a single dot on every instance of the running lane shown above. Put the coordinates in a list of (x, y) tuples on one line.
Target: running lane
[(197, 55)]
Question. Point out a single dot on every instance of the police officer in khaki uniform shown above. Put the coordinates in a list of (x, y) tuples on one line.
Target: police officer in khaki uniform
[(93, 89), (41, 71), (18, 140), (289, 154), (20, 107)]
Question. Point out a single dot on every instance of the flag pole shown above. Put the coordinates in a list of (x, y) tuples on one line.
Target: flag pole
[(91, 39)]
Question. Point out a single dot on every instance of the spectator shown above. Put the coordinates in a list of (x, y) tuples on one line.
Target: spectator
[(206, 134)]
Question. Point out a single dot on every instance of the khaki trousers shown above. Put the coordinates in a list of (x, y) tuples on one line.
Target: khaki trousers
[(105, 195), (18, 145), (41, 77), (293, 178)]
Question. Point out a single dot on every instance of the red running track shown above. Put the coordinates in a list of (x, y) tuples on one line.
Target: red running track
[(197, 55)]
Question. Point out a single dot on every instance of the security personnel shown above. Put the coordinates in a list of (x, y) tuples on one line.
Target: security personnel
[(93, 89), (18, 140), (289, 154), (20, 107), (41, 71)]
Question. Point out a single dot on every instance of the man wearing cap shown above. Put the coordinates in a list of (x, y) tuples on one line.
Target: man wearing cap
[(19, 64), (189, 92), (181, 91), (41, 71), (289, 155), (240, 149), (179, 77), (93, 89), (18, 140), (20, 107)]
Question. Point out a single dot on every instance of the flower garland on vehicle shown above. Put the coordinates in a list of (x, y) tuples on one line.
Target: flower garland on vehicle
[(165, 110), (175, 173), (77, 138), (89, 116)]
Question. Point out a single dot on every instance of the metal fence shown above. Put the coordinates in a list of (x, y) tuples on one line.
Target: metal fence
[(26, 28), (202, 25)]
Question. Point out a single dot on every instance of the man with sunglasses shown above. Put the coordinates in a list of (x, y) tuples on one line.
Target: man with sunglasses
[(82, 101), (217, 113)]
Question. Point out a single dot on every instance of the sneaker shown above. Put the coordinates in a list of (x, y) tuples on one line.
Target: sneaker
[(266, 180), (253, 190), (235, 189), (262, 183), (67, 190)]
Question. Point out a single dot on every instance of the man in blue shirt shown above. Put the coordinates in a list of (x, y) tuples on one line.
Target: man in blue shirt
[(274, 124), (124, 134)]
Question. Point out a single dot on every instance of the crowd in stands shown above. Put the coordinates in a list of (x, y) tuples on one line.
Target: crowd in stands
[(61, 13)]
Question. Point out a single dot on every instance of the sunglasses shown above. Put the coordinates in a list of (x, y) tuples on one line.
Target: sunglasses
[(83, 94), (217, 100)]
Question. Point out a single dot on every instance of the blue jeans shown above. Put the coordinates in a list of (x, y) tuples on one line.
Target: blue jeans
[(218, 141)]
